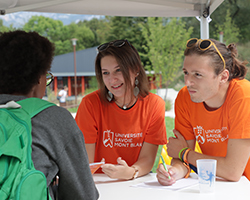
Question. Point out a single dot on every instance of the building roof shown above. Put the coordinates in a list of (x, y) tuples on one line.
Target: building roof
[(63, 65)]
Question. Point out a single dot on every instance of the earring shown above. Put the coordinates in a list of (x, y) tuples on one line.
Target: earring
[(109, 96), (136, 89)]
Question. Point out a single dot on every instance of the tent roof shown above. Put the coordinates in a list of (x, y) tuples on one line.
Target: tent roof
[(164, 8)]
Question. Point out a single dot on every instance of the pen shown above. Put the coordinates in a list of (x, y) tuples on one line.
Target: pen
[(165, 167)]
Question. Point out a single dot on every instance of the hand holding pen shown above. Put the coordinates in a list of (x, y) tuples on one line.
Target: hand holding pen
[(165, 166), (166, 175)]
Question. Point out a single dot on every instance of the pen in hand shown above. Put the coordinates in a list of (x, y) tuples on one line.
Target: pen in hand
[(165, 167)]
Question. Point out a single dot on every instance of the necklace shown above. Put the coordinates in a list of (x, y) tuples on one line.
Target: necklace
[(124, 107)]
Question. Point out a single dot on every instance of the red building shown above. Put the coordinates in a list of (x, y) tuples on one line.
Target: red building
[(64, 72)]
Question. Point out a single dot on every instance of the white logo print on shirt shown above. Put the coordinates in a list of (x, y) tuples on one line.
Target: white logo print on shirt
[(108, 138), (210, 135), (200, 135), (122, 140)]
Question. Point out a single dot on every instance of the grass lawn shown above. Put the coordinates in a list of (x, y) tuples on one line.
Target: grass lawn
[(169, 127)]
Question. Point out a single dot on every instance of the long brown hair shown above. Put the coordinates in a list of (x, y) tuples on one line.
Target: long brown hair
[(128, 60)]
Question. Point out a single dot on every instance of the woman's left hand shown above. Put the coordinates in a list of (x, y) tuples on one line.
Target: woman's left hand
[(119, 171)]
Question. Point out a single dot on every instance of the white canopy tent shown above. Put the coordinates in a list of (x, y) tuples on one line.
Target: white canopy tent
[(150, 8)]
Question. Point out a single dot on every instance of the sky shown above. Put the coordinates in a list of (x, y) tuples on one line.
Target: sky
[(18, 19)]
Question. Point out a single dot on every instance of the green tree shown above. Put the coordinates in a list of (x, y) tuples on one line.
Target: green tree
[(129, 28), (63, 47), (45, 26), (61, 35), (100, 28), (85, 37), (192, 22), (242, 20), (54, 30), (240, 14), (5, 28), (103, 30), (166, 39), (229, 29)]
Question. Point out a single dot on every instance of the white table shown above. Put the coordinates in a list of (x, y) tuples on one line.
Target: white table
[(110, 189)]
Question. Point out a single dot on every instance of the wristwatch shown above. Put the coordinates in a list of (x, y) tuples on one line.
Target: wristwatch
[(136, 173)]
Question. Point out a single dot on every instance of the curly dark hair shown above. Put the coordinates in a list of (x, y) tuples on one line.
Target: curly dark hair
[(25, 56)]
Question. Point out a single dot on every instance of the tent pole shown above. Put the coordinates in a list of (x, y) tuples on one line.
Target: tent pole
[(204, 27), (204, 20)]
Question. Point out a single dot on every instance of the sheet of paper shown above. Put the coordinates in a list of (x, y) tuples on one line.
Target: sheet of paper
[(180, 184), (95, 166)]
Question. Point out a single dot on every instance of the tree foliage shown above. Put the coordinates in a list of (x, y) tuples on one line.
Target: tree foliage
[(229, 29), (239, 13), (99, 27), (128, 28), (45, 26), (159, 41), (166, 39), (61, 35), (85, 37), (5, 28)]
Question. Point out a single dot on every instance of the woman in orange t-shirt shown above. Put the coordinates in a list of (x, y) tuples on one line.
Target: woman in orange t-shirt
[(122, 122), (212, 109)]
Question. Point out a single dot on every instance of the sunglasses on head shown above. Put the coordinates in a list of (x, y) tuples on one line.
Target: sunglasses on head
[(204, 45), (117, 43)]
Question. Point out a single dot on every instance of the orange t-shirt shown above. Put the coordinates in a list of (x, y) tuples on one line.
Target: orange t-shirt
[(121, 133), (212, 129)]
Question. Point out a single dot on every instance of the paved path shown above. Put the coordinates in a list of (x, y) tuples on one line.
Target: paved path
[(171, 95)]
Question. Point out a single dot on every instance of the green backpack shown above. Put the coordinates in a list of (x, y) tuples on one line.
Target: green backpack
[(19, 179)]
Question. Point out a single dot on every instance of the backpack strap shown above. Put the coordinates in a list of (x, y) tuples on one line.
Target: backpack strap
[(34, 105)]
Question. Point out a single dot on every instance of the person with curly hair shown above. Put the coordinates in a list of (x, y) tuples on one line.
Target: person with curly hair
[(25, 63), (213, 109)]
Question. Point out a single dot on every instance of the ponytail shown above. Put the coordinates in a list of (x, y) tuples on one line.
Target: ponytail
[(237, 68)]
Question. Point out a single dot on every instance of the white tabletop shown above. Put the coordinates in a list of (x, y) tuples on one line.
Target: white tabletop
[(110, 189)]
